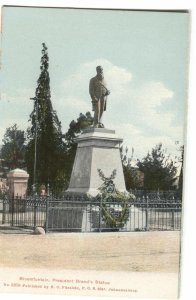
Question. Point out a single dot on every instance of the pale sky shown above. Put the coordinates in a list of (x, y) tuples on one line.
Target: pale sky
[(144, 56)]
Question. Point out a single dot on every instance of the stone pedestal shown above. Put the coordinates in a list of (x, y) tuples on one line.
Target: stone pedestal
[(17, 182), (98, 148)]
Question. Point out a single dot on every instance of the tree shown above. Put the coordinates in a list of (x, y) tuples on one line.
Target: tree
[(75, 128), (131, 174), (13, 148), (46, 130), (159, 170), (181, 160)]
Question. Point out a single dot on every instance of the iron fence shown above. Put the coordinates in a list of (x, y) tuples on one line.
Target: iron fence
[(26, 213), (75, 213)]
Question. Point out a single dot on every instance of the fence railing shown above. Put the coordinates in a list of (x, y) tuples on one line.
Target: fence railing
[(152, 211)]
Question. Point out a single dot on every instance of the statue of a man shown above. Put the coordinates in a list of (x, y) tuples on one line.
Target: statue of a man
[(98, 92)]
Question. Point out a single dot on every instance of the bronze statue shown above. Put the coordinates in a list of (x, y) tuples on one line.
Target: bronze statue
[(98, 92)]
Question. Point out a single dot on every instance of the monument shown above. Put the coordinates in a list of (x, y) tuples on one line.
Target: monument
[(98, 147)]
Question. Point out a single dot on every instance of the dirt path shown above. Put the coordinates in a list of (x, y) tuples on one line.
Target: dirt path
[(142, 252)]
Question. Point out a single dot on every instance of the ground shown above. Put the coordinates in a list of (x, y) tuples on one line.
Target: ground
[(133, 251)]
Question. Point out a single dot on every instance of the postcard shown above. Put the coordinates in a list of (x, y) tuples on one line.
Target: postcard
[(92, 142)]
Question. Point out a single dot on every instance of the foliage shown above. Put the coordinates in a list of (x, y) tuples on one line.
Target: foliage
[(3, 194), (114, 204), (75, 128), (13, 149), (131, 174), (108, 184), (50, 160), (181, 160), (159, 169)]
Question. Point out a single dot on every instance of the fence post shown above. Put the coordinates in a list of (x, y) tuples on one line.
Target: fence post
[(173, 211), (35, 214), (47, 207), (172, 220), (147, 225), (12, 210), (4, 211), (100, 214), (173, 224)]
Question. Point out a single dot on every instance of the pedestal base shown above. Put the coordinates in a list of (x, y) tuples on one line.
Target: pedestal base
[(98, 148)]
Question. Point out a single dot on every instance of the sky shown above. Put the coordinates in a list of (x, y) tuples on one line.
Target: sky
[(145, 60)]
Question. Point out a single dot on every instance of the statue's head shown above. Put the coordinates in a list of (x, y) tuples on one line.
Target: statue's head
[(99, 70)]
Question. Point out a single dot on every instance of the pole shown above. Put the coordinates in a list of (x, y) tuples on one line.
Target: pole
[(147, 224), (35, 147), (47, 213)]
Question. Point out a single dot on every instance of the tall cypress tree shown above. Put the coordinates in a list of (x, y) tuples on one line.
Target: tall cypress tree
[(46, 129)]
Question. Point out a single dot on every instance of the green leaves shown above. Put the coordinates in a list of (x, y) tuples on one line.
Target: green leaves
[(114, 204), (13, 149), (51, 150), (159, 169), (133, 176)]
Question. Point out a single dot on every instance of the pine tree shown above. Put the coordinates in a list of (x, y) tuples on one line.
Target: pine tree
[(159, 170), (46, 129)]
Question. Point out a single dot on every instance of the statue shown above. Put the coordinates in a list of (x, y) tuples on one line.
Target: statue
[(98, 92)]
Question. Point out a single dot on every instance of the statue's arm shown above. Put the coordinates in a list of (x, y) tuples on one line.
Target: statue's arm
[(107, 91)]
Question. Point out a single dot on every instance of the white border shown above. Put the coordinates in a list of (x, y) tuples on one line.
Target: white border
[(189, 234)]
